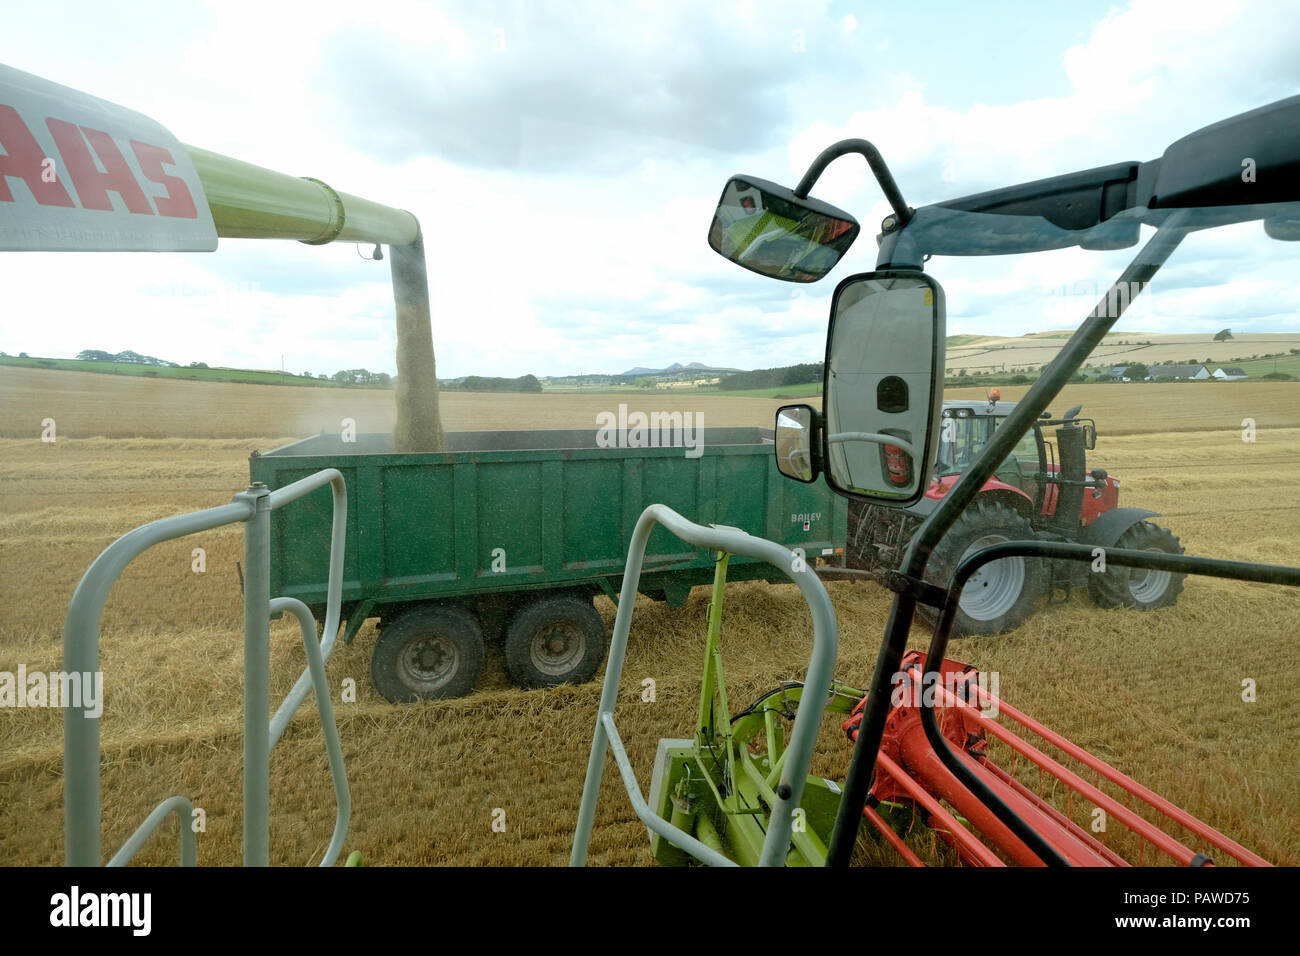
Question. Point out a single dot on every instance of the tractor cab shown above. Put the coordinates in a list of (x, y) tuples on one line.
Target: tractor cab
[(1040, 464), (967, 427)]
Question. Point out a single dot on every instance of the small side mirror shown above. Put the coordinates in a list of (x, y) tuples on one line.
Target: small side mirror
[(769, 230), (1089, 436), (884, 385), (796, 440)]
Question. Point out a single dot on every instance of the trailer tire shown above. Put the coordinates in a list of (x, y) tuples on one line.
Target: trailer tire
[(1137, 587), (428, 653), (1001, 595), (555, 640)]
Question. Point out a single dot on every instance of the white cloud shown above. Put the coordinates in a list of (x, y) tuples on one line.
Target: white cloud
[(594, 258)]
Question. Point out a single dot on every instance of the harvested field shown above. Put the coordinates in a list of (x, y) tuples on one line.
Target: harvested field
[(85, 405), (993, 353), (1158, 695)]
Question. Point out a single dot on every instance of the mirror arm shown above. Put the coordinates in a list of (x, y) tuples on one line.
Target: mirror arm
[(902, 212), (862, 766)]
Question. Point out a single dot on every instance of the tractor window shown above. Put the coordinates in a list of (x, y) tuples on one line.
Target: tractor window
[(960, 440), (1026, 450)]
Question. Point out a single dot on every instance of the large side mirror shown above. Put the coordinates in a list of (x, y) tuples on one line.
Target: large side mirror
[(884, 385), (797, 437), (767, 229)]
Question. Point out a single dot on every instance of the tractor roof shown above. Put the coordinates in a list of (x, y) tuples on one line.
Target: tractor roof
[(980, 407)]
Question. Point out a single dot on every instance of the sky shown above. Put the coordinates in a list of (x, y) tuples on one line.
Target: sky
[(564, 160)]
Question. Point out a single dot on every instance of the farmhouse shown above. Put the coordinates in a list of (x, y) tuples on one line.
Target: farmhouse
[(1197, 372), (1230, 374)]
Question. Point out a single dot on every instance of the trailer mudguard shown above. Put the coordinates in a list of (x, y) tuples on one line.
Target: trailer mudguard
[(1105, 530), (356, 618)]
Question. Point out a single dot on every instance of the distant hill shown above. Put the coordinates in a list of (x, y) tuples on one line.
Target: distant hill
[(678, 367)]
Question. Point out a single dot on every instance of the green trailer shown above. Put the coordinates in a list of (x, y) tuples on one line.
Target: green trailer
[(511, 534)]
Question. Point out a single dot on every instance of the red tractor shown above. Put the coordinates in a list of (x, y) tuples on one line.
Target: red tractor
[(1043, 490)]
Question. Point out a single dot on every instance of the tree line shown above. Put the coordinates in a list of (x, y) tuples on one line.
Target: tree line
[(484, 383), (774, 377)]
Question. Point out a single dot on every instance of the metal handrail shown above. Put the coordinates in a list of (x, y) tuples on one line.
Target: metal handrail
[(83, 817), (316, 654), (803, 737), (184, 811)]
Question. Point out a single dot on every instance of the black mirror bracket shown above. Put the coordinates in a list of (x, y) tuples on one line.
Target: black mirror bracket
[(921, 591), (902, 211)]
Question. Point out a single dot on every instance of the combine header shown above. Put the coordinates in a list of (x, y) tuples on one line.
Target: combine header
[(912, 783)]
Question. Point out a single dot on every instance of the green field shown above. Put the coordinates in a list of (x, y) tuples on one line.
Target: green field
[(1257, 367), (245, 376)]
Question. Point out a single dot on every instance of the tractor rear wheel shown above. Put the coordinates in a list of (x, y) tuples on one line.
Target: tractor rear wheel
[(428, 653), (1001, 595), (555, 640), (1139, 588)]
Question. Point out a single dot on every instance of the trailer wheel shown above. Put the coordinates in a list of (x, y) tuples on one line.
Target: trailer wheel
[(555, 640), (1139, 588), (428, 653), (1001, 595)]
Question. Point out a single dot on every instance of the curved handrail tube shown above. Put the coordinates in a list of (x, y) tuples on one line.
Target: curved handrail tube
[(642, 809), (184, 811), (316, 671), (81, 808), (81, 750), (802, 738), (334, 589)]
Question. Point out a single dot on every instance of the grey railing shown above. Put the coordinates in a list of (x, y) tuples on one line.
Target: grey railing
[(81, 747), (803, 737)]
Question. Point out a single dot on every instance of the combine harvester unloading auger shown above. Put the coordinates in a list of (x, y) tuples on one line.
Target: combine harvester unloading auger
[(930, 745), (177, 198)]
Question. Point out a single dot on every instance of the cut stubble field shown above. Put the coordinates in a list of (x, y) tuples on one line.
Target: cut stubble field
[(1158, 695)]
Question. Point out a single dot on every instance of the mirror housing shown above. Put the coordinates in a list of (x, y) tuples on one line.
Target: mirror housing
[(884, 386), (798, 440), (1089, 436), (769, 230)]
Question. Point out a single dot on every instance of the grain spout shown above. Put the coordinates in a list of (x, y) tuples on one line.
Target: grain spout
[(418, 427)]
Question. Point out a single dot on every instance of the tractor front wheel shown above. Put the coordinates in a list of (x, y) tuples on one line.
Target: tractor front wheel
[(1001, 595), (1140, 588)]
